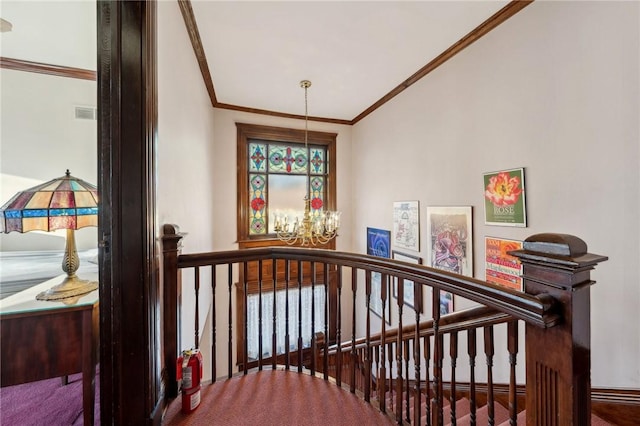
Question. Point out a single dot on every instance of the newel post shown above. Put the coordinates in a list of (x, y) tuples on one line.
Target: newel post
[(171, 305), (558, 359)]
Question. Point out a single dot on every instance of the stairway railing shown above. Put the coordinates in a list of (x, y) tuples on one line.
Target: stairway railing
[(410, 394), (554, 308)]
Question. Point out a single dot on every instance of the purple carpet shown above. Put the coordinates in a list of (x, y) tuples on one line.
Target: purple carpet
[(46, 402)]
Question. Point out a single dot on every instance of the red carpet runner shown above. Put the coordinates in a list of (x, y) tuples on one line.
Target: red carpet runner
[(277, 398)]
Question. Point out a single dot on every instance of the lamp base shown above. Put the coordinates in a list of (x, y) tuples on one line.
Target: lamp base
[(69, 287)]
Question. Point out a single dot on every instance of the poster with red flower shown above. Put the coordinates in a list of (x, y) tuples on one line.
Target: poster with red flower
[(504, 198)]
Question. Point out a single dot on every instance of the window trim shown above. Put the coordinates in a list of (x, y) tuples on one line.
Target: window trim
[(277, 134), (245, 132)]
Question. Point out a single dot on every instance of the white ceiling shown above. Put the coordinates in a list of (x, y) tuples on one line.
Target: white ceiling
[(51, 32), (354, 52)]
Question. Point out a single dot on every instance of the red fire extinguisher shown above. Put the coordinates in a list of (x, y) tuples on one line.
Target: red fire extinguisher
[(189, 370)]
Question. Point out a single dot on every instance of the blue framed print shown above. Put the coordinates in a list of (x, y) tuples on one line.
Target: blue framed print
[(379, 244)]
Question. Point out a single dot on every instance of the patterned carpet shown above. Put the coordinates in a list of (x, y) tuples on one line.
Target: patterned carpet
[(47, 402), (276, 397)]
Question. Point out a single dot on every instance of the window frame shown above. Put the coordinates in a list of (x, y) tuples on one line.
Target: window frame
[(272, 134)]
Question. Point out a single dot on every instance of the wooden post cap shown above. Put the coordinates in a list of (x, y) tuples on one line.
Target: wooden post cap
[(557, 244), (558, 249)]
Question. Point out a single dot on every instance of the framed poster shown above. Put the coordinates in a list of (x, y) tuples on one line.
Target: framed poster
[(411, 291), (500, 267), (504, 198), (406, 225), (379, 244), (446, 303), (450, 244)]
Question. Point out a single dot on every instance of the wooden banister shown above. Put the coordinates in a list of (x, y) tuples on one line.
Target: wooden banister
[(559, 358), (537, 310), (171, 303), (554, 307), (449, 323)]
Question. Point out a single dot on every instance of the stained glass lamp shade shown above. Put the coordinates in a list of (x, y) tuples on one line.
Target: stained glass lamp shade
[(63, 203)]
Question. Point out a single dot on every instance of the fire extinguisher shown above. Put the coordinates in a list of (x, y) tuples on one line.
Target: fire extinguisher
[(189, 371)]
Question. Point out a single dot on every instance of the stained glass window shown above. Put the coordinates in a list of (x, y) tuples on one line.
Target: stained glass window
[(257, 201), (271, 166), (257, 157)]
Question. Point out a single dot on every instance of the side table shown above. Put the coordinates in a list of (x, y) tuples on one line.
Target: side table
[(48, 339)]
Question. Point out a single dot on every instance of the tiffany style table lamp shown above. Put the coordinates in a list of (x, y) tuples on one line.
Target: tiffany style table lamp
[(63, 203)]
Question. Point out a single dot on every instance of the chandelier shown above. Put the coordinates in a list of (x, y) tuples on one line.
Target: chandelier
[(311, 229)]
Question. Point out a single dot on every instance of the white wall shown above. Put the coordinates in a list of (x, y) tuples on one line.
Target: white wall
[(555, 90), (185, 155), (40, 139)]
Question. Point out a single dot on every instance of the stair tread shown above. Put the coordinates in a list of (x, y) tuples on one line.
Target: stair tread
[(463, 407), (501, 414), (522, 420), (463, 413)]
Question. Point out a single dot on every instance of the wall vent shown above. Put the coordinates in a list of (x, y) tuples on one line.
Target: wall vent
[(86, 113)]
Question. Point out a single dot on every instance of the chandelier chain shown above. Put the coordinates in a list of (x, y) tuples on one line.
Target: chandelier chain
[(310, 230)]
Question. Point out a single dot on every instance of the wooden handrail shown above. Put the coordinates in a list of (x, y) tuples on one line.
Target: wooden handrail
[(477, 317), (556, 277), (535, 310)]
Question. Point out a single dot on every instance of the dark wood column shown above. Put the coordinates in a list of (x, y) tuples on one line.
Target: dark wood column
[(171, 306), (558, 359), (130, 360)]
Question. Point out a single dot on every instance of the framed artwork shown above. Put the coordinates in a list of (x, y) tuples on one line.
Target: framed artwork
[(500, 267), (379, 244), (450, 244), (504, 202), (410, 289), (446, 302), (406, 225)]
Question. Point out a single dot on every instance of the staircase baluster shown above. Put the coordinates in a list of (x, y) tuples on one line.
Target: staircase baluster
[(354, 288), (287, 336), (326, 322), (313, 315), (230, 321), (381, 368), (438, 343), (376, 360), (390, 359), (512, 338), (197, 311), (367, 352), (407, 388), (453, 353), (471, 350), (338, 328), (357, 367), (427, 397), (214, 373), (382, 381), (260, 276), (399, 356), (489, 352), (417, 401), (274, 340), (300, 277), (245, 344)]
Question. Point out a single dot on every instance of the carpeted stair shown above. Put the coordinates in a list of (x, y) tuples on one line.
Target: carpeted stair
[(463, 413)]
